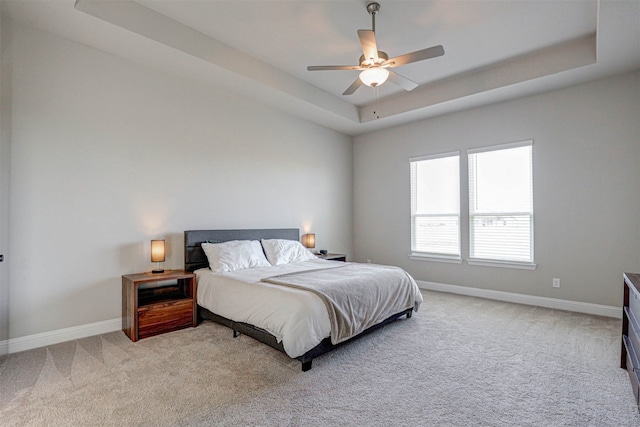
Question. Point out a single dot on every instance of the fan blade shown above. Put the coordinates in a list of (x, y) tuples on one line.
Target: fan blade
[(354, 86), (333, 67), (401, 81), (369, 46), (419, 55)]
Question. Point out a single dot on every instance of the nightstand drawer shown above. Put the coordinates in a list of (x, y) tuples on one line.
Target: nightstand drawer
[(632, 369), (634, 303), (633, 333), (159, 318)]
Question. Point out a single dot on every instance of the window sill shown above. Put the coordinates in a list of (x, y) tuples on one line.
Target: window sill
[(502, 264), (435, 258)]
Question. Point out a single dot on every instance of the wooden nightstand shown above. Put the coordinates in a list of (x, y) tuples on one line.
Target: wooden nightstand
[(153, 303), (334, 257)]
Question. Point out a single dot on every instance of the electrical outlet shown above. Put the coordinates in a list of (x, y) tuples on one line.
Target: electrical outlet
[(556, 283)]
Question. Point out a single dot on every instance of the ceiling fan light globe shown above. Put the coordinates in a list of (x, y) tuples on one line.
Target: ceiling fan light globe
[(373, 77)]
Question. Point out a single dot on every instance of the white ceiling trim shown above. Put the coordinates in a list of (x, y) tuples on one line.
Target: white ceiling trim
[(566, 56), (146, 22), (258, 76), (164, 38)]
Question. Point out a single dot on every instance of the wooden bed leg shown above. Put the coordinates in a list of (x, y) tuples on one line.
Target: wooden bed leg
[(306, 365), (409, 314), (236, 334)]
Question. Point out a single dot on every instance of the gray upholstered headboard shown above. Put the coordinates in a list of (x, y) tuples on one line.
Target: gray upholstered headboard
[(194, 257)]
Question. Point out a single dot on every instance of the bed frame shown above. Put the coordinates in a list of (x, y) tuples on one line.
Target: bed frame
[(194, 258)]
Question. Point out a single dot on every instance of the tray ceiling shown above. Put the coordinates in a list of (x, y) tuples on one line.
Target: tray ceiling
[(495, 50)]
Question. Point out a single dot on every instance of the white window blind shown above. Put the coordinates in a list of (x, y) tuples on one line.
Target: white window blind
[(501, 203), (435, 205)]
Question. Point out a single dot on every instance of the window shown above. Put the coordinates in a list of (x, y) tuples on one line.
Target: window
[(501, 203), (435, 206)]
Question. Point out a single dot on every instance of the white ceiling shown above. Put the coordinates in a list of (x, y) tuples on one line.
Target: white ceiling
[(495, 50)]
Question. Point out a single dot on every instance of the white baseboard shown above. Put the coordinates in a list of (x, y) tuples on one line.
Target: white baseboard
[(559, 304), (15, 345)]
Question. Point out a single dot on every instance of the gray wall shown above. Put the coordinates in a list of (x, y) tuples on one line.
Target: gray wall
[(5, 152), (586, 153), (108, 154)]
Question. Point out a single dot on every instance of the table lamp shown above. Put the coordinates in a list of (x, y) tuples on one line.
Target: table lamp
[(309, 240), (157, 254)]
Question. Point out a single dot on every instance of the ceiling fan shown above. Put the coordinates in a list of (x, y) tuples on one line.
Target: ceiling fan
[(375, 64)]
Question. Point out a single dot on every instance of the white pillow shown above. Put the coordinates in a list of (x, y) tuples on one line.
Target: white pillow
[(234, 255), (281, 251)]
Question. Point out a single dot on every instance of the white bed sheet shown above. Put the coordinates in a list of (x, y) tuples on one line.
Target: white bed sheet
[(296, 317)]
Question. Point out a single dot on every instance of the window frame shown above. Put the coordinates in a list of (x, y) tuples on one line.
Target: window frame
[(434, 256), (496, 262)]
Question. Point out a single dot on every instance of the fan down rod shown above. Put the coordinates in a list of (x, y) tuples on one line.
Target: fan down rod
[(373, 9)]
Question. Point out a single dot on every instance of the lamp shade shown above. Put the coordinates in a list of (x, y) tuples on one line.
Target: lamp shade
[(157, 251), (374, 76), (309, 240)]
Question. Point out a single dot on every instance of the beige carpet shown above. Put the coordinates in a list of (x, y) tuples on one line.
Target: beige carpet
[(460, 361)]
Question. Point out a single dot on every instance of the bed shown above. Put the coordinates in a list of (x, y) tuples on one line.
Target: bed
[(267, 304)]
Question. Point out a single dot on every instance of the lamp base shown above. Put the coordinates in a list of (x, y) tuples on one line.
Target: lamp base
[(157, 271)]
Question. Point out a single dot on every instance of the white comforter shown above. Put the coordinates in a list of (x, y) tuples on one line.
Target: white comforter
[(296, 317)]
